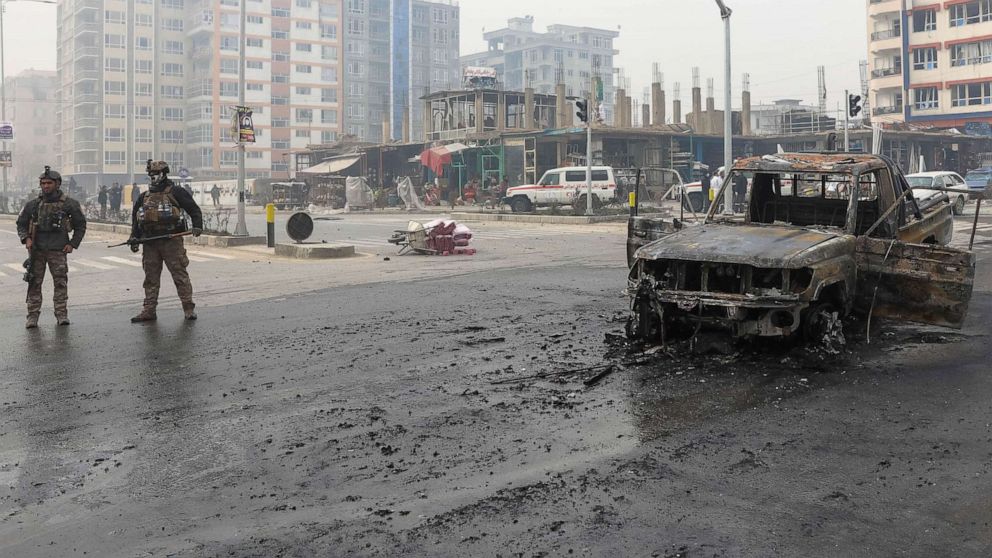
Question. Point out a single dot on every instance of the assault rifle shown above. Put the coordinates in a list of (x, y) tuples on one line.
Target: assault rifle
[(137, 241), (28, 267)]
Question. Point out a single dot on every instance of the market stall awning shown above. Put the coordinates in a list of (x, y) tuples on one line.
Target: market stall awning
[(332, 166), (436, 158)]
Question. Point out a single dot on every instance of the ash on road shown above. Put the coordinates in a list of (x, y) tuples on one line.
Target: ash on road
[(384, 420)]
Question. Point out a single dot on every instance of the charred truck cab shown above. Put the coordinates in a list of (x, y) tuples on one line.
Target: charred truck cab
[(811, 238)]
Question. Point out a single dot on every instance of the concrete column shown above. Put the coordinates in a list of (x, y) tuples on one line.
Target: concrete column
[(406, 124), (628, 112), (561, 119), (677, 111), (697, 110), (479, 117), (501, 112), (657, 105), (709, 119), (529, 122), (619, 103), (746, 113), (645, 115), (386, 137)]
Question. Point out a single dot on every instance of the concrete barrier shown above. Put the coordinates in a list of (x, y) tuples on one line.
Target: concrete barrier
[(315, 251)]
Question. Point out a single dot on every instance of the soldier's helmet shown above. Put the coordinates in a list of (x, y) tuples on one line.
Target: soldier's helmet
[(158, 171), (51, 175)]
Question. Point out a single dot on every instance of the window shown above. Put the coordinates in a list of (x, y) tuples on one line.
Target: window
[(113, 134), (356, 89), (304, 47), (926, 98), (328, 95), (280, 100), (972, 12), (971, 94), (356, 6), (142, 43), (440, 15), (280, 78), (440, 36), (113, 40), (171, 91), (113, 157), (328, 31), (113, 87), (113, 16), (280, 122), (925, 59), (256, 43), (302, 3), (143, 89), (228, 66), (254, 64), (280, 144), (142, 155), (302, 90), (230, 21), (143, 135), (229, 43), (924, 20), (355, 68), (278, 34), (172, 113), (328, 52), (280, 12), (253, 155), (172, 69), (257, 19), (170, 136), (142, 112), (172, 24), (356, 111), (329, 75), (328, 10), (172, 47), (328, 116), (356, 27), (304, 115), (228, 158), (440, 56), (302, 133), (979, 52), (328, 137), (304, 25), (174, 4), (303, 68), (228, 89), (113, 111), (254, 87), (142, 66), (113, 64), (355, 48)]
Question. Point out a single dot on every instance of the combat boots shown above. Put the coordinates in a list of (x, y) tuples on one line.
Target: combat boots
[(146, 315), (32, 321), (188, 310), (62, 319)]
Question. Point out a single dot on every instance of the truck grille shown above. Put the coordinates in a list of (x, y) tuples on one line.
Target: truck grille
[(715, 277)]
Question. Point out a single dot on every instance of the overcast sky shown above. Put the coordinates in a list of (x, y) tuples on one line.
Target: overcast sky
[(779, 42)]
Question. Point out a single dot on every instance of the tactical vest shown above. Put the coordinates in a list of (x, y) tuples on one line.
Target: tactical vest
[(52, 216), (160, 213)]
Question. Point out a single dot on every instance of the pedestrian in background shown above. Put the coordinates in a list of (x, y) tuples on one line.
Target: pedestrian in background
[(101, 197), (715, 184), (43, 227), (705, 183), (116, 193), (215, 196), (135, 192)]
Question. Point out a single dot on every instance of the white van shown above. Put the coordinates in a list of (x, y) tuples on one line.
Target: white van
[(564, 186)]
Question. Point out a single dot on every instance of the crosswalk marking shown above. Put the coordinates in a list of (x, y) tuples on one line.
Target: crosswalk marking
[(196, 259), (15, 266), (90, 263), (115, 259), (214, 255)]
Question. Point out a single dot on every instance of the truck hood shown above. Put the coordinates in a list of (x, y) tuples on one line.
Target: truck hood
[(760, 246)]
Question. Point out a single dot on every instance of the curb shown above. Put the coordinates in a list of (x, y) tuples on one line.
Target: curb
[(315, 251), (538, 219)]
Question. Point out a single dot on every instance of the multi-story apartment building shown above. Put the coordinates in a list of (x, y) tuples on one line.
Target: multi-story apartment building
[(396, 51), (32, 108), (158, 79), (930, 62), (564, 54)]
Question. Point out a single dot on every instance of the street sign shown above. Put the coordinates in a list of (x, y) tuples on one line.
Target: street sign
[(183, 173), (6, 130), (6, 159)]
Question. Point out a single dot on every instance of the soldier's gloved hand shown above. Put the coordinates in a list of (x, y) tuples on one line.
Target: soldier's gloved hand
[(135, 248), (197, 232)]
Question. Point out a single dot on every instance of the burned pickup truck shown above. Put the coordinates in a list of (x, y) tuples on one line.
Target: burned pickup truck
[(815, 237)]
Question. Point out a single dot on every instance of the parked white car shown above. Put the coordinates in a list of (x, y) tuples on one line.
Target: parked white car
[(564, 186), (944, 179)]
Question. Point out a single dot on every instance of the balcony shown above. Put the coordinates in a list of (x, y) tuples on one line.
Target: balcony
[(86, 75), (87, 122), (85, 52), (83, 27), (86, 145), (200, 22), (879, 111), (886, 34), (83, 98), (883, 72)]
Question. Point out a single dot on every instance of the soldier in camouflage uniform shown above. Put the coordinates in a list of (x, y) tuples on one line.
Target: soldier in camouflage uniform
[(158, 212), (44, 226)]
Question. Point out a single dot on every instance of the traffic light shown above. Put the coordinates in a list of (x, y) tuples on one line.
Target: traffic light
[(583, 112), (853, 105)]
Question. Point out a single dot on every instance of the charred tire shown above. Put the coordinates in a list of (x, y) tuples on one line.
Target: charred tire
[(958, 207), (520, 204), (818, 322), (694, 202), (579, 206)]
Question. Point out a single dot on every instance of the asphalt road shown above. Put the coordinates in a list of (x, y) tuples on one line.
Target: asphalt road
[(388, 417)]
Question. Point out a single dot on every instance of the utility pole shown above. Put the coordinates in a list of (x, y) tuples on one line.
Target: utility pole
[(3, 106), (241, 229), (728, 141), (589, 165), (847, 124)]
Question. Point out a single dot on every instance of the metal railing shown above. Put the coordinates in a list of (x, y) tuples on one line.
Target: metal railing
[(886, 34), (878, 111), (882, 72)]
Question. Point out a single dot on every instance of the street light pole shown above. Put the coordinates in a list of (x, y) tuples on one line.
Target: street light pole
[(589, 159), (728, 140), (241, 229)]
